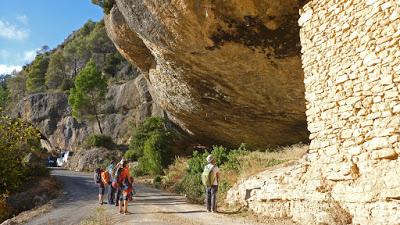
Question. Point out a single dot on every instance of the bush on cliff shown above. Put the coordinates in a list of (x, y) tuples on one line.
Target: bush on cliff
[(105, 4), (99, 140), (150, 146)]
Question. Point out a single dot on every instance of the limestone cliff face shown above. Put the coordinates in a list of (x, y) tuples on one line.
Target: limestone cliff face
[(127, 104), (225, 71)]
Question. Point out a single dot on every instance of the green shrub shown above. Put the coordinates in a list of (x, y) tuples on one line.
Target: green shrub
[(67, 84), (155, 155), (111, 65), (192, 187), (130, 155), (143, 132), (38, 171), (105, 4), (197, 162), (234, 165), (157, 181), (191, 184), (136, 171), (97, 140), (18, 139), (150, 146)]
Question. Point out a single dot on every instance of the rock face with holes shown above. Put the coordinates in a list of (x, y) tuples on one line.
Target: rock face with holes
[(225, 71), (351, 59)]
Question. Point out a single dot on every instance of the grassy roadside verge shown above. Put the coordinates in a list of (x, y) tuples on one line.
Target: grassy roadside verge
[(184, 175)]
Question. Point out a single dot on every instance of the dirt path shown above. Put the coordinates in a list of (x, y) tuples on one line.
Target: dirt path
[(150, 206)]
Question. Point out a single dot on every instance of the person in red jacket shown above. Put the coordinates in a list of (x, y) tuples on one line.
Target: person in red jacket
[(124, 180)]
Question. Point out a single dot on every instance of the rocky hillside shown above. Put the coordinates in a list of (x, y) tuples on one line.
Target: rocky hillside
[(127, 104), (226, 71), (39, 93)]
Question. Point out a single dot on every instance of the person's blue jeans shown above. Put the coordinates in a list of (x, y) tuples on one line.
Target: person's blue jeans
[(118, 192), (211, 198), (111, 194)]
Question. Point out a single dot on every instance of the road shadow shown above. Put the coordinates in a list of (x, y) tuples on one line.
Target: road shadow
[(170, 212), (76, 189), (156, 200)]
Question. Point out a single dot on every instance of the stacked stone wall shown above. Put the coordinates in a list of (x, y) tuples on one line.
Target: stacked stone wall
[(351, 60), (351, 174)]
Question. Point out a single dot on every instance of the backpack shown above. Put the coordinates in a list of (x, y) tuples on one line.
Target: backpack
[(207, 177), (105, 177), (97, 175), (111, 170)]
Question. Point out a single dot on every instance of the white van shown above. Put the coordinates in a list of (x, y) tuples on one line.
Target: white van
[(63, 158)]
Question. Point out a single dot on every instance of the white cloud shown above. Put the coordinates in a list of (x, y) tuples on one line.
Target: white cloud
[(12, 32), (22, 19), (8, 69), (29, 56)]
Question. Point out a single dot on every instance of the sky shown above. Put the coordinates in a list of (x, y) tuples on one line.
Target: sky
[(27, 25)]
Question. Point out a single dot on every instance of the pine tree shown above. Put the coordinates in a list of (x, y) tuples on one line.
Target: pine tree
[(88, 94), (99, 42), (55, 74), (36, 74)]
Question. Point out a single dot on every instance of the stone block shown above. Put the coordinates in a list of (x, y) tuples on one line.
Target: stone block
[(377, 143), (386, 153), (355, 150), (305, 17)]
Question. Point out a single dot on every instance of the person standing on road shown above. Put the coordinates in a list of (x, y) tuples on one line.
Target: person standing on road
[(111, 189), (212, 175), (126, 188), (99, 181), (116, 181)]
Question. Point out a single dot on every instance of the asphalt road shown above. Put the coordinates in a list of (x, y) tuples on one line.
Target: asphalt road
[(149, 207), (77, 202)]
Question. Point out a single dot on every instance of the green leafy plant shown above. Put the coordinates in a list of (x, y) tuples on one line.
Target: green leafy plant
[(191, 184), (151, 160), (151, 126), (17, 140), (150, 145), (96, 140)]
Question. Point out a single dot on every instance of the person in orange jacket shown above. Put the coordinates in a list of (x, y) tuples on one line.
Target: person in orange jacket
[(126, 187)]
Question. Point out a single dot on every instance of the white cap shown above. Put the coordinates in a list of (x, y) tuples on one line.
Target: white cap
[(210, 158)]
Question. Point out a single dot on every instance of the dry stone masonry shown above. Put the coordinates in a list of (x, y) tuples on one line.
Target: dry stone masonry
[(351, 174)]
